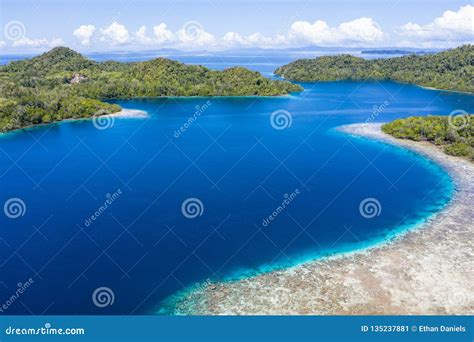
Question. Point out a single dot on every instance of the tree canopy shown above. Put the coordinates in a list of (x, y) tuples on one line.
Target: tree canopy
[(63, 84), (450, 70), (453, 133)]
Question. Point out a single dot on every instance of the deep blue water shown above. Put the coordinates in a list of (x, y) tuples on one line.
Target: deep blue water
[(231, 159)]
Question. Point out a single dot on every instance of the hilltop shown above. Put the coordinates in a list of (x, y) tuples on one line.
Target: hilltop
[(57, 59), (451, 70)]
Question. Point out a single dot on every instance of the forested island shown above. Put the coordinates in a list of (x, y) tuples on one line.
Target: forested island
[(454, 134), (62, 84), (450, 70)]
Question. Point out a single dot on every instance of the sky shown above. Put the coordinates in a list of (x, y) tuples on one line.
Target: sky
[(30, 26)]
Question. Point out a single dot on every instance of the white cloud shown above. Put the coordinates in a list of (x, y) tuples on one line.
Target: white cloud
[(162, 34), (359, 31), (232, 39), (38, 43), (115, 34), (461, 21), (363, 30), (84, 33), (2, 44), (302, 32), (451, 27), (141, 36), (56, 42), (192, 34)]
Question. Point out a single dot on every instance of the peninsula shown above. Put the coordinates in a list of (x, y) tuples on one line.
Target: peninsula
[(62, 84), (454, 135), (450, 70)]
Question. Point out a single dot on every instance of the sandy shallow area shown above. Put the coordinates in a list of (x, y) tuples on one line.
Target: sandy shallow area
[(428, 270), (128, 113)]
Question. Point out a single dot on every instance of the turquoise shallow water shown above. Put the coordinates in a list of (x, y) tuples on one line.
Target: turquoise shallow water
[(173, 304), (236, 163)]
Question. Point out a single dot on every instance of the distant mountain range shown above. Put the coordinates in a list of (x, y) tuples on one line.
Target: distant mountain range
[(395, 52), (250, 51)]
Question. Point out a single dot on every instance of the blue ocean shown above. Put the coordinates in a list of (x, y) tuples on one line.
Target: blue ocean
[(207, 188)]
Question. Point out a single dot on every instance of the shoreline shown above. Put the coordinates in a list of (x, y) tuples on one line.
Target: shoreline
[(124, 113), (448, 90), (423, 270), (466, 92), (203, 97)]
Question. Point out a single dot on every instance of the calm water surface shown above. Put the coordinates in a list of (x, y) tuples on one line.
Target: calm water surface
[(236, 163)]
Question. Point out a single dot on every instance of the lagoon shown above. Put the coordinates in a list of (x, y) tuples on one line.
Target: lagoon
[(230, 157)]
